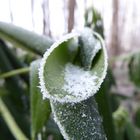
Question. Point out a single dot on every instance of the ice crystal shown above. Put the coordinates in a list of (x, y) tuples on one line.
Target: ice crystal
[(78, 82)]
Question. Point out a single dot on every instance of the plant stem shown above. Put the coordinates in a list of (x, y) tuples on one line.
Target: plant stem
[(15, 130), (15, 72)]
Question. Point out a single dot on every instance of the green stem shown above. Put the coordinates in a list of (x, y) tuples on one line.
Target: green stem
[(15, 72), (15, 130)]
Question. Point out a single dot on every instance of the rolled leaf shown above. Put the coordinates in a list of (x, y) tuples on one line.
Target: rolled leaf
[(64, 66), (71, 72)]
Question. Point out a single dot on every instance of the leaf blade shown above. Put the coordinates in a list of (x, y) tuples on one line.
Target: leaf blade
[(38, 106), (24, 38)]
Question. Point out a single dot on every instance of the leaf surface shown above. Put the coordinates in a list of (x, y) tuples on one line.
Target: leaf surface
[(40, 109), (24, 38)]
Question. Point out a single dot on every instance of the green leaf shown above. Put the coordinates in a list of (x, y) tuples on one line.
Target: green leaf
[(16, 98), (94, 20), (134, 69), (15, 130), (120, 117), (24, 38), (14, 72), (79, 121), (130, 131), (40, 109), (137, 117), (52, 130), (64, 63), (71, 72), (16, 63), (104, 105), (12, 82)]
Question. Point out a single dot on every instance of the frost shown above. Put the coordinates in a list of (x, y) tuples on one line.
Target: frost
[(80, 121), (83, 115), (75, 83), (78, 82), (90, 46), (43, 62)]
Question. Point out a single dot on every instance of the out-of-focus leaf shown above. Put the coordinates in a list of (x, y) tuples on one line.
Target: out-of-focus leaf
[(5, 132), (3, 91), (137, 118), (40, 109), (52, 130), (24, 38), (130, 131), (11, 83), (14, 72), (120, 117), (12, 125), (65, 77), (94, 20), (104, 105), (134, 69), (16, 99), (16, 63)]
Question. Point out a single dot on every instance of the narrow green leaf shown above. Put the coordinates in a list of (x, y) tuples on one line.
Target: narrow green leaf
[(14, 72), (130, 131), (24, 38), (16, 63), (52, 130), (11, 83), (16, 99), (40, 109), (14, 128)]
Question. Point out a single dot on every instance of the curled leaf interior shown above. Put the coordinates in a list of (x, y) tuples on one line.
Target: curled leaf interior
[(73, 69)]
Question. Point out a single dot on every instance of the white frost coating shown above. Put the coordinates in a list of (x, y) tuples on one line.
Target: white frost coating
[(67, 97), (42, 64), (78, 82), (82, 117), (87, 38)]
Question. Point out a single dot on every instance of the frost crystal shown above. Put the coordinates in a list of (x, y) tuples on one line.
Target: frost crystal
[(80, 121), (78, 82)]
